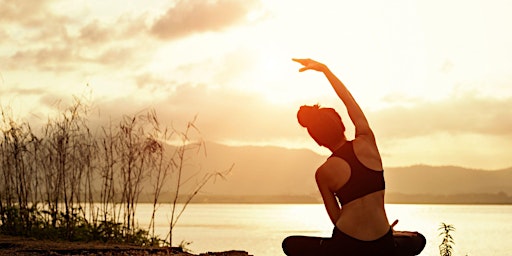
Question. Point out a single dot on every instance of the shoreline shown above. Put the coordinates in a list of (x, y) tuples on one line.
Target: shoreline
[(391, 198), (24, 246)]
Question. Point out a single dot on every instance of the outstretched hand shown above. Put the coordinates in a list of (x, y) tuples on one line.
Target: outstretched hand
[(310, 64)]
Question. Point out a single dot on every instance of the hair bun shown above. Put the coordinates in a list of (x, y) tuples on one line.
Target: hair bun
[(308, 115)]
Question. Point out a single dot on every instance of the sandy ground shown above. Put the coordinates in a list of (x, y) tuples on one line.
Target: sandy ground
[(26, 246)]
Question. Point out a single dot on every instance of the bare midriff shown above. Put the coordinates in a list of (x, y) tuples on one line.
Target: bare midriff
[(364, 218)]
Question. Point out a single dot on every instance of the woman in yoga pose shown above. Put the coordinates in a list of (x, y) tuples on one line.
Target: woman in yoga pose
[(350, 181)]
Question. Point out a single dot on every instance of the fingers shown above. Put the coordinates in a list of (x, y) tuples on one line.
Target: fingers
[(309, 64), (302, 61), (394, 223), (305, 62)]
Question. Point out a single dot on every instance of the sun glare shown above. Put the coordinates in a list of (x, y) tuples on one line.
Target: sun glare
[(270, 75), (276, 77)]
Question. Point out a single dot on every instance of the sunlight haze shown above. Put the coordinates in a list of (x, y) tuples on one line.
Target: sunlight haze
[(433, 77)]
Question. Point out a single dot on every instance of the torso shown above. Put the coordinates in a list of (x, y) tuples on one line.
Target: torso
[(364, 218)]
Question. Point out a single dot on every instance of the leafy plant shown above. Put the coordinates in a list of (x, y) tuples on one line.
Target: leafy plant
[(446, 246), (184, 246)]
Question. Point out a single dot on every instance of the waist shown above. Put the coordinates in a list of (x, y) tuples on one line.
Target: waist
[(339, 233), (364, 218)]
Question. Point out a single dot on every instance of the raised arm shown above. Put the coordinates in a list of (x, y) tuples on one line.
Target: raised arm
[(354, 111)]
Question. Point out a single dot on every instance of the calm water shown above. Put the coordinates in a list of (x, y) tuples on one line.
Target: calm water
[(260, 228)]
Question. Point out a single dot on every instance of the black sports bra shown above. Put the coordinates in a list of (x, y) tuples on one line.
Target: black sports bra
[(362, 181)]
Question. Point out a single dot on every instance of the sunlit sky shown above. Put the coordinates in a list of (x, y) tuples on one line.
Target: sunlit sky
[(434, 77)]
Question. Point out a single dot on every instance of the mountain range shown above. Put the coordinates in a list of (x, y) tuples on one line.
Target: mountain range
[(270, 173)]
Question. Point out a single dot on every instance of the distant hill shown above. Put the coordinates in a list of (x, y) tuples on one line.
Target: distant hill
[(445, 180), (261, 170), (271, 172)]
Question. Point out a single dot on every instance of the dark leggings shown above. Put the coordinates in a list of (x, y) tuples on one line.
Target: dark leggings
[(339, 244)]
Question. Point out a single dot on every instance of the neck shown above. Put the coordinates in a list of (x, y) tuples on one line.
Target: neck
[(337, 145)]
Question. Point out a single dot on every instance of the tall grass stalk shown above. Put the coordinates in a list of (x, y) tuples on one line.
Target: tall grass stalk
[(70, 183)]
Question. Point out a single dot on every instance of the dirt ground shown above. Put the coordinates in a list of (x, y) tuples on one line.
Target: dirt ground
[(20, 246)]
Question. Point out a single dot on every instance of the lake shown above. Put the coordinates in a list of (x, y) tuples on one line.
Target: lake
[(260, 228)]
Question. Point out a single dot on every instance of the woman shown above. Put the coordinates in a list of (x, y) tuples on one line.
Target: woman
[(351, 181)]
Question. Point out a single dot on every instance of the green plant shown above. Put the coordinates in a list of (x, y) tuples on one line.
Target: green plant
[(69, 183), (446, 246), (184, 246)]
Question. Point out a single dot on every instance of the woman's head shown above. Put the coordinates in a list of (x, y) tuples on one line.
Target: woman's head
[(323, 124)]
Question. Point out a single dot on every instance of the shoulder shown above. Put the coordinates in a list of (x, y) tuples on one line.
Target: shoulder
[(367, 152), (333, 173)]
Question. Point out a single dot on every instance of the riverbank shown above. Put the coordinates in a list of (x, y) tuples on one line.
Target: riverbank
[(21, 246)]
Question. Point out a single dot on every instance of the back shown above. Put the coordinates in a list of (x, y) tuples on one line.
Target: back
[(362, 181)]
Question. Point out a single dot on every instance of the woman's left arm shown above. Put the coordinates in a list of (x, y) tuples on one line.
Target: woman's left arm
[(331, 205), (332, 175)]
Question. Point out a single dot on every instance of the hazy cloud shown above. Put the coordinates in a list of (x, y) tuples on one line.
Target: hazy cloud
[(193, 16), (95, 32), (467, 114), (125, 28), (147, 80), (115, 56), (222, 114), (44, 58), (40, 39), (225, 114), (33, 22), (23, 12), (70, 57), (22, 91)]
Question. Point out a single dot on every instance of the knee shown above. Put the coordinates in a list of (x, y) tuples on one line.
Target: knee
[(421, 241), (286, 245), (301, 245)]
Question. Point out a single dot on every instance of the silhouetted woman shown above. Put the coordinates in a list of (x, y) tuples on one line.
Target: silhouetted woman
[(350, 181)]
